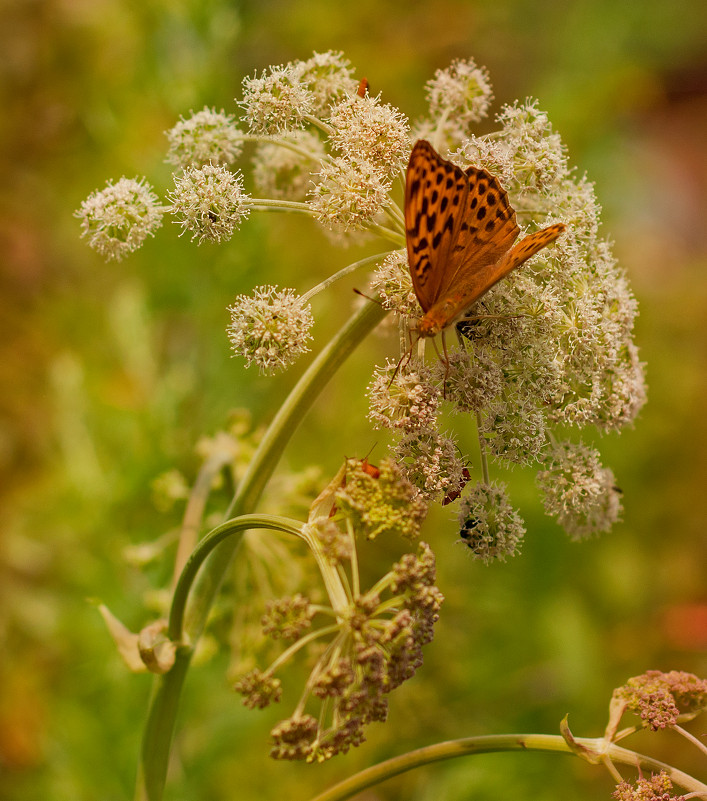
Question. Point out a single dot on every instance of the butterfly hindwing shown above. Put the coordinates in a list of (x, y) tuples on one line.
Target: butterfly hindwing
[(435, 200)]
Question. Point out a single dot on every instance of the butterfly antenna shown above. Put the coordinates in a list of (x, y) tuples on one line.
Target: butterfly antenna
[(370, 450), (368, 297)]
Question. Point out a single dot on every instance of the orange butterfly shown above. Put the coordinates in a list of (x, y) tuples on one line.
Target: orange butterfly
[(460, 230)]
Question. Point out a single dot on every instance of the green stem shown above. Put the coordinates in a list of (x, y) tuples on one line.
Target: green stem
[(500, 742), (317, 123), (215, 537), (163, 707), (482, 450), (157, 737), (269, 204), (398, 239), (165, 701)]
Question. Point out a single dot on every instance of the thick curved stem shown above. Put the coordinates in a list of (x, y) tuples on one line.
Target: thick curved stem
[(500, 742)]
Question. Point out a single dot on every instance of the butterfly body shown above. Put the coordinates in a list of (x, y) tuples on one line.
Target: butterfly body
[(460, 230)]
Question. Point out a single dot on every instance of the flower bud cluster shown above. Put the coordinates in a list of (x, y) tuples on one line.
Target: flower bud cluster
[(366, 643), (660, 698), (382, 504), (375, 645), (657, 788)]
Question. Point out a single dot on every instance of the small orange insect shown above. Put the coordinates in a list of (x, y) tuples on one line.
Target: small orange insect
[(454, 494)]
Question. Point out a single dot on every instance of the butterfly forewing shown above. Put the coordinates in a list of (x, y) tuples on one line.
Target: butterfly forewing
[(530, 245), (487, 229), (435, 200)]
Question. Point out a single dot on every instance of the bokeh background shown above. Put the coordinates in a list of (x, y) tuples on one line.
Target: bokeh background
[(111, 374)]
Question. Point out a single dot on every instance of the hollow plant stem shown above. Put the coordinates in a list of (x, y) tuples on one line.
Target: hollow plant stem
[(495, 743)]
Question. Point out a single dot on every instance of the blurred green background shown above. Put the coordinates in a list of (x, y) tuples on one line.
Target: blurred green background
[(112, 373)]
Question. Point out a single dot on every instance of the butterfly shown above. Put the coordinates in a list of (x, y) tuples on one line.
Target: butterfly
[(460, 229)]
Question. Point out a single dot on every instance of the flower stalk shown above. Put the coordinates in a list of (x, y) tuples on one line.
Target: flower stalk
[(497, 743)]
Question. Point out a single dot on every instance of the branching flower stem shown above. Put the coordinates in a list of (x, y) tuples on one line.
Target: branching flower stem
[(230, 528), (167, 690), (327, 129), (686, 734), (350, 268), (502, 742)]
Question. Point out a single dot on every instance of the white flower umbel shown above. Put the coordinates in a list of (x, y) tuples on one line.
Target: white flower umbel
[(578, 490), (329, 78), (513, 428), (392, 282), (470, 381), (458, 96), (276, 102), (489, 526), (538, 154), (409, 401), (431, 461), (549, 345), (117, 220), (206, 137), (364, 129), (349, 195), (271, 328), (210, 202)]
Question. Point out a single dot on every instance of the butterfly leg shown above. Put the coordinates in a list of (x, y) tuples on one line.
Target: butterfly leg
[(405, 359), (444, 358)]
